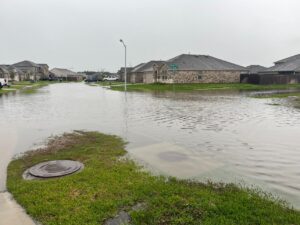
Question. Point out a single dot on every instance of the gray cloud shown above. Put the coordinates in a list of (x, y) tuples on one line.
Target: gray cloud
[(84, 34)]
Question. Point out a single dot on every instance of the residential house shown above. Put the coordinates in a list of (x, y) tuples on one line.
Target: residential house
[(135, 75), (151, 71), (33, 71), (145, 72), (187, 68), (285, 71), (65, 75)]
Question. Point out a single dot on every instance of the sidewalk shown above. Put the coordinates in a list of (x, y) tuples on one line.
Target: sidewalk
[(11, 213)]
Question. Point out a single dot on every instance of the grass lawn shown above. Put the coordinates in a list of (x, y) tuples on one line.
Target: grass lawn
[(199, 87), (109, 183), (25, 86), (109, 83)]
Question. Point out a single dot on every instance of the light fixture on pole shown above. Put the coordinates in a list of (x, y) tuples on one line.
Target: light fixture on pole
[(125, 69)]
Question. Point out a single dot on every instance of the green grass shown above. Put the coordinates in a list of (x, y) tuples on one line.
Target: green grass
[(199, 87), (109, 83), (35, 86), (109, 183), (25, 87)]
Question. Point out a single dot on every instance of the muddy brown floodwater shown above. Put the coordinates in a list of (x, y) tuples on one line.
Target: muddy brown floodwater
[(221, 136)]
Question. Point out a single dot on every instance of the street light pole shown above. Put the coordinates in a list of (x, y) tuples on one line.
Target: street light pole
[(125, 69)]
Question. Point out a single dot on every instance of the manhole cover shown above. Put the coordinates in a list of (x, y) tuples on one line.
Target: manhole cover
[(55, 168)]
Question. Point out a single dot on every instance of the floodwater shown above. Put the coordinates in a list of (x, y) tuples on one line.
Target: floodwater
[(221, 136)]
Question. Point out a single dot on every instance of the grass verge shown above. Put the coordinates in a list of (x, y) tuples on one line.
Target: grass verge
[(109, 183), (108, 83), (24, 86), (199, 87)]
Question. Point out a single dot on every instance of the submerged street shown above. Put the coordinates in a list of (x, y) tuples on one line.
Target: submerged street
[(219, 136)]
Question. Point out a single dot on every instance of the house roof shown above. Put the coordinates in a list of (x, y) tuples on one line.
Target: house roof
[(137, 67), (9, 68), (122, 70), (4, 68), (202, 62), (289, 65), (25, 63), (63, 72), (255, 68), (43, 65), (145, 67), (289, 59), (15, 69), (149, 66)]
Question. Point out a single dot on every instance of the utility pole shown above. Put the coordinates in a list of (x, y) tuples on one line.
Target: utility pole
[(125, 69)]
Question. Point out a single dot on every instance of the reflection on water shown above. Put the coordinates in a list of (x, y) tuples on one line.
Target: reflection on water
[(221, 136)]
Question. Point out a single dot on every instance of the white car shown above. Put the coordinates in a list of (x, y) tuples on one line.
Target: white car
[(4, 82), (110, 78)]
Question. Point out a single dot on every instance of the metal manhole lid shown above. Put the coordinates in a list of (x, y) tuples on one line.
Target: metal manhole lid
[(56, 168)]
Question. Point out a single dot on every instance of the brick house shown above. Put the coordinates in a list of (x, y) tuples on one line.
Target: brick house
[(188, 68)]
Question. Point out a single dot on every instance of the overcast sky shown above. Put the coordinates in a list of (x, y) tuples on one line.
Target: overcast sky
[(84, 34)]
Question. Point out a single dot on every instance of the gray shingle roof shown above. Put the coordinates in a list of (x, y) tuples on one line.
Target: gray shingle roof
[(202, 62), (289, 65), (137, 67), (122, 70), (15, 69), (44, 65), (145, 67), (63, 72), (25, 63), (255, 68), (10, 68), (4, 68), (289, 59)]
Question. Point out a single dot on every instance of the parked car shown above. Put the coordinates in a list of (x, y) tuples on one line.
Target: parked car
[(110, 79), (4, 82)]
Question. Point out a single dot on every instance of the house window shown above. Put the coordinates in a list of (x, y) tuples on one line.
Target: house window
[(199, 77)]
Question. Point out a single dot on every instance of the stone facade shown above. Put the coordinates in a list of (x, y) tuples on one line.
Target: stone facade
[(199, 77)]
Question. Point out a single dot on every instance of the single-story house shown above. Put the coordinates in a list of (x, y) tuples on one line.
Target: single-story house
[(133, 75), (187, 68), (285, 71), (145, 72), (65, 75)]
